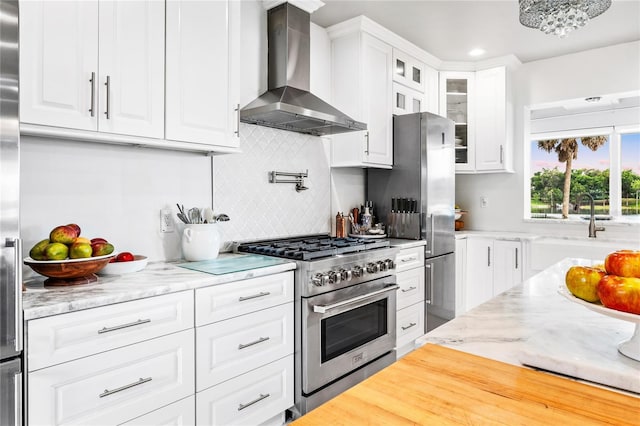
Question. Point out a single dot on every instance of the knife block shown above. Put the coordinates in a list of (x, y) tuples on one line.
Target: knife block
[(403, 225)]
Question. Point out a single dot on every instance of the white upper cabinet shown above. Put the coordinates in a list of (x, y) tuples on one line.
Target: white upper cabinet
[(408, 71), (478, 102), (407, 100), (202, 69), (362, 89), (93, 66), (59, 63)]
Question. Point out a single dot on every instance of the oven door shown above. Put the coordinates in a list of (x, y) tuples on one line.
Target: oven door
[(346, 329)]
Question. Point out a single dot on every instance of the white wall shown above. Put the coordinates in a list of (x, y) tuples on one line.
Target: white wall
[(612, 69)]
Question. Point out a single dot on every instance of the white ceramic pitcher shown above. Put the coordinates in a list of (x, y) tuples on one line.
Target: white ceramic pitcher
[(200, 241)]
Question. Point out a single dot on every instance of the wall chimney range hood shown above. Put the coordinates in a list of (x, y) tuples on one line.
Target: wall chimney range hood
[(288, 104)]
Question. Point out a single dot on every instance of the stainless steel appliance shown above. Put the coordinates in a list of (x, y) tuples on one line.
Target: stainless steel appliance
[(288, 104), (345, 311), (424, 171), (10, 247)]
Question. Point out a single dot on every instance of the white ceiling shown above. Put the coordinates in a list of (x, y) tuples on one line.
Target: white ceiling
[(449, 29)]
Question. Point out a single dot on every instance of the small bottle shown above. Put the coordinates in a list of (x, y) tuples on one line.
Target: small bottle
[(340, 225), (366, 220)]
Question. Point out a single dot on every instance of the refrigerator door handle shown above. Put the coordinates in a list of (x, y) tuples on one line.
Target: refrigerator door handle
[(17, 398), (16, 243), (429, 267), (429, 249)]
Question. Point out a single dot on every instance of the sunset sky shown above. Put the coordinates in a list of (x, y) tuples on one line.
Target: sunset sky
[(588, 159)]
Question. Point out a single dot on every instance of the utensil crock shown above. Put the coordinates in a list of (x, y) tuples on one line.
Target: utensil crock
[(200, 241)]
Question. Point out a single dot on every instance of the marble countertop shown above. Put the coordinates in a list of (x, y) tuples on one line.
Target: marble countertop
[(156, 279), (532, 324)]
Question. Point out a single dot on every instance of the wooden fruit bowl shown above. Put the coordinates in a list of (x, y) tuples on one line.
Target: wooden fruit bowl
[(69, 271)]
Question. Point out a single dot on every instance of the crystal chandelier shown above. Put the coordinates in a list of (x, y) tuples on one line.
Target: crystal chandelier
[(560, 17)]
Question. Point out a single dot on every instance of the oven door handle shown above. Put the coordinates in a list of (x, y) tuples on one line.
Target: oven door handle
[(322, 309)]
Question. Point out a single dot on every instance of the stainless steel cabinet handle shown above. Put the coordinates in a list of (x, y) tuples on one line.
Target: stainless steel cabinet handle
[(488, 256), (107, 111), (237, 110), (250, 403), (324, 308), (366, 135), (119, 327), (408, 289), (429, 267), (140, 381), (16, 243), (408, 259), (246, 345), (253, 296), (501, 154), (516, 257), (411, 324), (92, 110)]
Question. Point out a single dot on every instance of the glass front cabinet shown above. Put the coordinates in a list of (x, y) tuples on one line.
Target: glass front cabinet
[(456, 103)]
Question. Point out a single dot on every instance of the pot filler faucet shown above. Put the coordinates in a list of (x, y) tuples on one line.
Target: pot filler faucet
[(592, 223)]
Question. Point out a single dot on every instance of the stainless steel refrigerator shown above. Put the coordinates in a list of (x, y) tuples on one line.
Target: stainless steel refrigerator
[(424, 173), (10, 248)]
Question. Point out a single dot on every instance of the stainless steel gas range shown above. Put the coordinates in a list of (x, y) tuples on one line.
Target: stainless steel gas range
[(345, 311)]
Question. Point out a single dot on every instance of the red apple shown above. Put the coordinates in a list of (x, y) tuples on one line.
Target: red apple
[(125, 256), (623, 263), (75, 227), (582, 282), (620, 293)]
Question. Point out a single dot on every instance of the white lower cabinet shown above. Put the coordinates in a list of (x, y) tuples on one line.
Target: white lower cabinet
[(180, 413), (229, 348), (409, 326), (410, 302), (249, 399), (114, 386)]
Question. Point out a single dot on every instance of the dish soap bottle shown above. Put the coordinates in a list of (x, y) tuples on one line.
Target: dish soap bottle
[(366, 220)]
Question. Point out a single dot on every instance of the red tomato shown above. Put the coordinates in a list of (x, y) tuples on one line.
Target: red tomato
[(125, 256)]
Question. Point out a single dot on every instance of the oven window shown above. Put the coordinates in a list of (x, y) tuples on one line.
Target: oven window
[(353, 328)]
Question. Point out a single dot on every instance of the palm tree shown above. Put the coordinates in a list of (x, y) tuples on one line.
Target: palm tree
[(567, 150)]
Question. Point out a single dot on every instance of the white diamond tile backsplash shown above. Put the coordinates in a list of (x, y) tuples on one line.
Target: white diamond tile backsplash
[(259, 209)]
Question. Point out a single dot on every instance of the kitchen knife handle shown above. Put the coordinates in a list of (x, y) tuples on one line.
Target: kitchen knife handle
[(108, 84), (429, 267), (92, 110), (237, 110)]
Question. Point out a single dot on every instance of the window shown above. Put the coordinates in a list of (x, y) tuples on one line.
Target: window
[(605, 165)]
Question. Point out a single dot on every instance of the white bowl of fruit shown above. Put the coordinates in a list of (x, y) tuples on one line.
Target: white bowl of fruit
[(124, 263)]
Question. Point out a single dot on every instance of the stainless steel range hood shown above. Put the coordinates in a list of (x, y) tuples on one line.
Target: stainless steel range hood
[(288, 104)]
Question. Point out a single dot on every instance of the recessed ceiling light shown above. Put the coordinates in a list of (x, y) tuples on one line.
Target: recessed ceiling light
[(476, 52), (593, 99)]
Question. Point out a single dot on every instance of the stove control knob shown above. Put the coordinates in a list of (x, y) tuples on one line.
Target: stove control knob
[(346, 274), (335, 277), (373, 268), (389, 263), (358, 271), (320, 279), (382, 265)]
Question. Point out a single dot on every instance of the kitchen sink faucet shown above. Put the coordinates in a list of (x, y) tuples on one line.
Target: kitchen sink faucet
[(592, 222)]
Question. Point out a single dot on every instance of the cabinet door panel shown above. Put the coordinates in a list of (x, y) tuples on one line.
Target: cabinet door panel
[(507, 268), (132, 57), (411, 289), (180, 413), (409, 324), (377, 58), (479, 271), (201, 83), (58, 54), (490, 119)]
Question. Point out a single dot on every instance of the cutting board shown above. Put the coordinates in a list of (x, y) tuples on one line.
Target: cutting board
[(588, 353), (228, 265)]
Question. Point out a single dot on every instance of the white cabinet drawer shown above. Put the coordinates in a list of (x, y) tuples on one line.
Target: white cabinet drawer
[(409, 324), (180, 413), (249, 399), (410, 258), (230, 300), (65, 337), (411, 289), (114, 386), (229, 348)]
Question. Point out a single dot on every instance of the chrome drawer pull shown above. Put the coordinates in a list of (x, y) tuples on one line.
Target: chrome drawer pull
[(92, 110), (250, 403), (118, 327), (410, 259), (140, 381), (108, 85), (246, 345), (253, 296), (411, 324), (408, 289)]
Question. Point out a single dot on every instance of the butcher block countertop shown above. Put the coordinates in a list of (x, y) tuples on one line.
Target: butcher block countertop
[(437, 385)]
